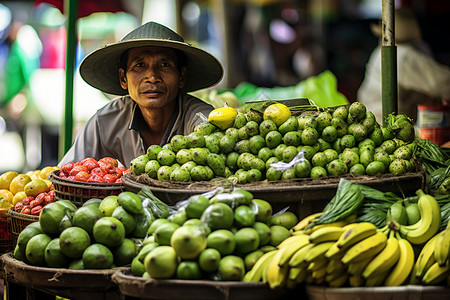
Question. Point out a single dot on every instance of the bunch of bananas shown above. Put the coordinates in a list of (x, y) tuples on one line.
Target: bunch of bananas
[(432, 266), (358, 253)]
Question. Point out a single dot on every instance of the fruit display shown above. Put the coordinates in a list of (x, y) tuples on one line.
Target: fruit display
[(215, 236), (27, 193), (101, 234), (106, 169), (281, 143), (409, 247)]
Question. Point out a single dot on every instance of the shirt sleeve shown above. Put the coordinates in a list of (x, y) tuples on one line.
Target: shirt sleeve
[(197, 112), (423, 74)]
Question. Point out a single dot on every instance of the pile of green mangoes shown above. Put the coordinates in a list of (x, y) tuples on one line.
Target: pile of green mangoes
[(101, 234), (216, 237), (314, 144)]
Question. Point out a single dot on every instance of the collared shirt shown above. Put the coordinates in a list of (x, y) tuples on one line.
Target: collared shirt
[(114, 130)]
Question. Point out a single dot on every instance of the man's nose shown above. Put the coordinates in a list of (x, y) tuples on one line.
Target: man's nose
[(153, 74)]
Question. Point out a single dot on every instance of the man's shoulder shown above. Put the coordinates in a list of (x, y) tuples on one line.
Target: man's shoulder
[(189, 100), (119, 104)]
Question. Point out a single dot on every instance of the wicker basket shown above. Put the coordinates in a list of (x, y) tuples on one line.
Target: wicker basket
[(7, 237), (20, 221), (78, 192)]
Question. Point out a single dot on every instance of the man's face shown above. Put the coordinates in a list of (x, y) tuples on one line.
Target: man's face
[(152, 76)]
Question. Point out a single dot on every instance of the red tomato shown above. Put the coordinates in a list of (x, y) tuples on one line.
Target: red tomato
[(90, 164), (82, 176), (77, 169), (98, 171), (110, 177), (66, 168), (109, 160), (107, 167), (96, 178), (27, 200)]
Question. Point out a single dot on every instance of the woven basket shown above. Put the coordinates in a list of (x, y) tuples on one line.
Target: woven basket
[(20, 221), (7, 238), (79, 192)]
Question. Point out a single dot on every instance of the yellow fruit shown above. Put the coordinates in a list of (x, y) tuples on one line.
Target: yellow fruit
[(48, 182), (35, 187), (7, 195), (18, 198), (19, 183), (222, 117), (34, 174), (279, 113), (6, 178), (46, 171)]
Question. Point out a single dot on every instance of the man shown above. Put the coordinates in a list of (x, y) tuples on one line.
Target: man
[(153, 69)]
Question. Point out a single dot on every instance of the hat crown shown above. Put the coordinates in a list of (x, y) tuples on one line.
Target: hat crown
[(152, 30)]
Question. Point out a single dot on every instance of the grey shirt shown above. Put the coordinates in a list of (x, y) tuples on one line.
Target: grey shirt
[(114, 130)]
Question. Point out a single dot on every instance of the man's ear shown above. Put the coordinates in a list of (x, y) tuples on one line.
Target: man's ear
[(123, 79), (182, 77)]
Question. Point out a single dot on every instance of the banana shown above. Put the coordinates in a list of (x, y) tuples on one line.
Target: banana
[(318, 251), (412, 212), (326, 234), (404, 264), (368, 247), (339, 281), (355, 233), (320, 273), (442, 247), (333, 224), (334, 251), (429, 223), (425, 258), (335, 265), (377, 279), (356, 280), (276, 275), (295, 243), (294, 272), (297, 259), (255, 273), (357, 268), (384, 260), (316, 264), (436, 274), (306, 221), (335, 273), (292, 240)]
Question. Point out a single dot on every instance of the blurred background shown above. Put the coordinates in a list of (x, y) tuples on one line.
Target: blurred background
[(261, 43)]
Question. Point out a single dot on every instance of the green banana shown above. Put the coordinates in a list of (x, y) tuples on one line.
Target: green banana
[(412, 212)]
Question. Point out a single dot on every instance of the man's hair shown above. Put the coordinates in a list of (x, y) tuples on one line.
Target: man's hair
[(123, 59)]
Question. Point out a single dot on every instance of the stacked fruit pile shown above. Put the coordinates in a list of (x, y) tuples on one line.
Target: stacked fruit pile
[(348, 253), (98, 235), (216, 238), (274, 145), (106, 169), (27, 193)]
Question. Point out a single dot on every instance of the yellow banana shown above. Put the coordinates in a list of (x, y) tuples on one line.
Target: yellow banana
[(369, 247), (326, 234), (316, 264), (333, 224), (357, 268), (356, 280), (276, 275), (293, 273), (335, 266), (355, 233), (255, 273), (425, 258), (429, 223), (337, 272), (436, 274), (442, 247), (290, 284), (298, 258), (334, 251), (293, 239), (289, 248), (320, 273), (318, 251), (377, 279), (404, 264), (384, 260), (339, 281), (306, 221)]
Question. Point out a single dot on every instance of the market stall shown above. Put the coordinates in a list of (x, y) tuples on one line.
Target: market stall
[(277, 198)]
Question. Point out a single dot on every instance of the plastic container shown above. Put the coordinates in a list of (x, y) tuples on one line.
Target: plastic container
[(433, 116), (437, 135)]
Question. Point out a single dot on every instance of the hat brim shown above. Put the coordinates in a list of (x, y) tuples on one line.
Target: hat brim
[(100, 68)]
